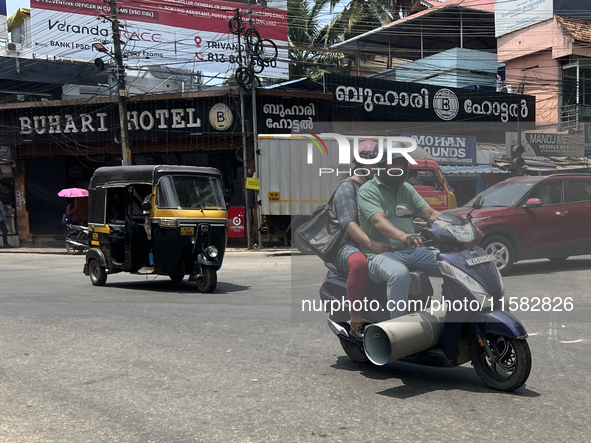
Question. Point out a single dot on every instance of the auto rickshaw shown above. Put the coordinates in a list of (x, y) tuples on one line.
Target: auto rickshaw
[(159, 220)]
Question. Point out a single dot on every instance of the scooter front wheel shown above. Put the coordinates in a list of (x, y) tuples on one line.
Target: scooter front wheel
[(512, 366), (354, 352)]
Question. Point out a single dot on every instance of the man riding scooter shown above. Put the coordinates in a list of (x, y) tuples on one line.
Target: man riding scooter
[(377, 202)]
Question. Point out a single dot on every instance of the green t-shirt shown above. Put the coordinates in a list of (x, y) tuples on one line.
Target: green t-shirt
[(375, 196)]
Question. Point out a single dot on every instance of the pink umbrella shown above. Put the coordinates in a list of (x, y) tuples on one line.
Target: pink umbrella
[(73, 192)]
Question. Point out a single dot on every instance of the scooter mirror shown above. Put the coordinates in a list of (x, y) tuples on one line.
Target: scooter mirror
[(404, 211), (478, 203), (146, 206)]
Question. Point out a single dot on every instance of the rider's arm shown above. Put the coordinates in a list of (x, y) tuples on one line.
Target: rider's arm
[(360, 237), (346, 206), (429, 214), (382, 224), (136, 194)]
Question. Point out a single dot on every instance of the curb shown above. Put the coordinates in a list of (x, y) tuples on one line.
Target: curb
[(60, 251)]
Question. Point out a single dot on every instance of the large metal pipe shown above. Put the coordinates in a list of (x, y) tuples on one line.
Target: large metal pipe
[(400, 337)]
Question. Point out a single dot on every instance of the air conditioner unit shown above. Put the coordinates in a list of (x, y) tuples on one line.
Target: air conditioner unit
[(13, 47)]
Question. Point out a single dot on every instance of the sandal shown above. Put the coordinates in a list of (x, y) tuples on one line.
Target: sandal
[(357, 334)]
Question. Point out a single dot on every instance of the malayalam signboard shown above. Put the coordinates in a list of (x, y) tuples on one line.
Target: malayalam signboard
[(518, 14), (186, 34), (448, 149), (390, 100), (539, 144)]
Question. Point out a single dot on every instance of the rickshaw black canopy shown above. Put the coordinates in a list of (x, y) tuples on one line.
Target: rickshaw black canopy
[(112, 176)]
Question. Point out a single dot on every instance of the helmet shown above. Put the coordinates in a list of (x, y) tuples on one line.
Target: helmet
[(367, 150), (396, 180)]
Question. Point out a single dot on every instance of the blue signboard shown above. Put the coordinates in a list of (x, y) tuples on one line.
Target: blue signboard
[(448, 149)]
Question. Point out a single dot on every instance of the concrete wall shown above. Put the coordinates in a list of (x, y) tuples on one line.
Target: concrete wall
[(541, 77), (532, 58)]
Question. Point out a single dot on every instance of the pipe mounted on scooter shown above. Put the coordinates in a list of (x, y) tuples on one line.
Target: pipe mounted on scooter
[(394, 339)]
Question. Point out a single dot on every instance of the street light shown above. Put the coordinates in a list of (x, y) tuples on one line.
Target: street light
[(100, 47)]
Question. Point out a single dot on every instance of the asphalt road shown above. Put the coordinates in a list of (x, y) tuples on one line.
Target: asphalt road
[(154, 361)]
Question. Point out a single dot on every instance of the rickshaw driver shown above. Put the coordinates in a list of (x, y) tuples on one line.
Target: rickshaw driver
[(117, 207)]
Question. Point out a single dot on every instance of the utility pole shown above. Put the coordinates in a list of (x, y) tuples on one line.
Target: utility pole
[(245, 163), (255, 135), (122, 93)]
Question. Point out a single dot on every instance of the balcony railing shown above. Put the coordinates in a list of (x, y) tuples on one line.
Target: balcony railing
[(572, 115)]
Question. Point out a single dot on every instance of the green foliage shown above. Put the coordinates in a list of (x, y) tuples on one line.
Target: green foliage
[(309, 41)]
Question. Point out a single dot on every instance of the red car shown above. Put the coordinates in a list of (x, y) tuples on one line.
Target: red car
[(534, 217)]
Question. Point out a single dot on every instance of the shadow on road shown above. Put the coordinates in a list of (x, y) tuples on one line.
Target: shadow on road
[(161, 285), (547, 266), (419, 379)]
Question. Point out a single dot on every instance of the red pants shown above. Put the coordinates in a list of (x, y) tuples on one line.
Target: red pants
[(356, 279)]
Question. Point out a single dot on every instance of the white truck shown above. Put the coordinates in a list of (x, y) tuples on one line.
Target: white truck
[(297, 174), (290, 187)]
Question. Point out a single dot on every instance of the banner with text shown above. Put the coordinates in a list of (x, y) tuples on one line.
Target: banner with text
[(448, 149), (547, 145), (184, 34)]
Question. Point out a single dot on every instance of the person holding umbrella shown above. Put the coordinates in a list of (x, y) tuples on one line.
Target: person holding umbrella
[(72, 215), (72, 211)]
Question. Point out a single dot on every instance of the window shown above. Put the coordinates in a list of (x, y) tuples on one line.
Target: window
[(578, 190), (569, 86), (576, 82), (189, 192), (550, 193), (419, 177)]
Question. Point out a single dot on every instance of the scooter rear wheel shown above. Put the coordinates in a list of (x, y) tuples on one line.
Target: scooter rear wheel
[(71, 249), (513, 364), (354, 352), (74, 250)]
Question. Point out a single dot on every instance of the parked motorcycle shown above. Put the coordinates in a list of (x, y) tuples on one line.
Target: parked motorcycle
[(466, 323), (76, 239)]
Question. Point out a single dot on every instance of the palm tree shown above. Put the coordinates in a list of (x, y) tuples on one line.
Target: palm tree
[(360, 16), (309, 41)]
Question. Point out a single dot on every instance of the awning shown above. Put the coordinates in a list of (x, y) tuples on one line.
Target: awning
[(434, 30), (476, 169)]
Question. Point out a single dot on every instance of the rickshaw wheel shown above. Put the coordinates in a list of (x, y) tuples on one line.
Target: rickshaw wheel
[(177, 278), (207, 279), (98, 273)]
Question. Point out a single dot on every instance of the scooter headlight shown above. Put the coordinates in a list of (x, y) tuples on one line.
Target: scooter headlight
[(464, 279), (463, 233)]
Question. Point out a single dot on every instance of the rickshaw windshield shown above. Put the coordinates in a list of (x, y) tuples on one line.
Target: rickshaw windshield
[(189, 192)]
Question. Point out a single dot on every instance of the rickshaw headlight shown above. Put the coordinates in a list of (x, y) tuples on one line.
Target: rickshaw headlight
[(168, 223), (211, 251)]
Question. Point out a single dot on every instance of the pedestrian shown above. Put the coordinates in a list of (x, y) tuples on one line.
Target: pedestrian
[(3, 227), (72, 212)]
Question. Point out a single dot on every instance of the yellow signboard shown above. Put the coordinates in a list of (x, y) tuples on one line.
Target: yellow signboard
[(252, 183), (274, 196)]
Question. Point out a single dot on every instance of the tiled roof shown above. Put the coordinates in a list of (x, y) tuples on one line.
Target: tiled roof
[(580, 29), (481, 5)]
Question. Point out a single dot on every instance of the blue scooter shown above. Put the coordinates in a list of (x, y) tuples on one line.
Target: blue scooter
[(468, 322)]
